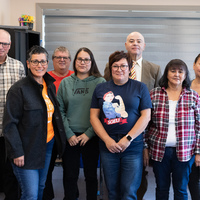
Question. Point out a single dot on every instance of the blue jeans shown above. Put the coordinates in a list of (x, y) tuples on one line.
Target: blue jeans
[(171, 167), (32, 182), (123, 171)]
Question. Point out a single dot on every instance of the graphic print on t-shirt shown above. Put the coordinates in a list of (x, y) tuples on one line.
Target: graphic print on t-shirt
[(50, 111), (114, 112), (50, 107)]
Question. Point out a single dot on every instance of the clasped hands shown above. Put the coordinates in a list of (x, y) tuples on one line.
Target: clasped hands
[(117, 147), (82, 139)]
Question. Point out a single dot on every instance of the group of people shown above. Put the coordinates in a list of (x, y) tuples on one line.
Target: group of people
[(131, 116)]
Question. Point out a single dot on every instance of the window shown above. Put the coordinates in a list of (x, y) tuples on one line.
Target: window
[(168, 34)]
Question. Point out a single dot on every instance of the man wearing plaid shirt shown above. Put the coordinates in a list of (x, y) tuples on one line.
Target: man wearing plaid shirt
[(11, 70)]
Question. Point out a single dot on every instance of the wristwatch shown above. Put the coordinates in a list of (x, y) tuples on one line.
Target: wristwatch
[(129, 138)]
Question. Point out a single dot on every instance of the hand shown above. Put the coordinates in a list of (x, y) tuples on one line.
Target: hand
[(19, 162), (197, 160), (124, 143), (146, 157), (83, 138), (73, 141), (112, 146)]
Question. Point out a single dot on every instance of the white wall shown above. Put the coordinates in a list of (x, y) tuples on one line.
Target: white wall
[(13, 9), (5, 12)]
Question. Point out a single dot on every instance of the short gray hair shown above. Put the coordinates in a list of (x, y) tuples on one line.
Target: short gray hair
[(36, 50), (62, 49)]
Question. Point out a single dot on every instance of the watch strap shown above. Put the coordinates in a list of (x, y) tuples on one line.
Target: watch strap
[(129, 138)]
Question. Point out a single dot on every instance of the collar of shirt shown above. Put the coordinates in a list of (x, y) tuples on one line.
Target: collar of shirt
[(6, 60), (138, 69)]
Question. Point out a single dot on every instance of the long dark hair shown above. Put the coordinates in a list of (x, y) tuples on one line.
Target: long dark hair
[(94, 71), (163, 82)]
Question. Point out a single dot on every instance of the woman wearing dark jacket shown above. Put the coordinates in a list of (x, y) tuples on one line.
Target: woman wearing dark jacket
[(31, 124)]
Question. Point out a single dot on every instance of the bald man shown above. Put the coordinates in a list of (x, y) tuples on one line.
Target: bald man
[(11, 70), (146, 72)]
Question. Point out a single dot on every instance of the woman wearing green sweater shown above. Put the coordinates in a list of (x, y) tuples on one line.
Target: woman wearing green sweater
[(74, 95)]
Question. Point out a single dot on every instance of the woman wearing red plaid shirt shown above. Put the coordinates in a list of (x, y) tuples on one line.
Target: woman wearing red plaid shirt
[(173, 135)]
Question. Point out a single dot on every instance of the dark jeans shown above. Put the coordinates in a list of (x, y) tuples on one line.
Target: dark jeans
[(8, 181), (48, 193), (194, 183), (71, 165), (123, 171), (172, 168)]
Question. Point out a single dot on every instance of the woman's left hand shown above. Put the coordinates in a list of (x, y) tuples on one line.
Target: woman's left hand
[(83, 138), (124, 143), (19, 162), (197, 160)]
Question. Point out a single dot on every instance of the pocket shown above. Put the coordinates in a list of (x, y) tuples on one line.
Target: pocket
[(33, 114)]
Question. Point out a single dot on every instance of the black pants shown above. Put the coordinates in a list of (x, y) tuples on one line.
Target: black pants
[(48, 193), (71, 165), (194, 183), (143, 186), (8, 181)]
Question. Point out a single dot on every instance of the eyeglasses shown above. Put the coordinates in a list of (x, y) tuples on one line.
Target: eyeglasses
[(36, 62), (60, 57), (86, 60), (4, 45), (122, 67)]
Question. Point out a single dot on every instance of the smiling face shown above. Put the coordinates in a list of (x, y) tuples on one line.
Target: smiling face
[(135, 45), (120, 75), (61, 61), (39, 70), (176, 75), (83, 63)]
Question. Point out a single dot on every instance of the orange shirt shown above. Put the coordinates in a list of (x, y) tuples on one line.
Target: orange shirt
[(59, 78), (50, 111)]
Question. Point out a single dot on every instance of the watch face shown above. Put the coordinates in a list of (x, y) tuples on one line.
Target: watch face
[(129, 137)]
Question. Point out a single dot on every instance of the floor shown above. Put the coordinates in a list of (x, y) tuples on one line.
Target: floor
[(150, 194), (58, 188)]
